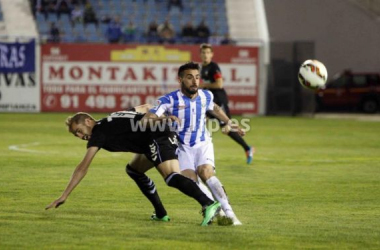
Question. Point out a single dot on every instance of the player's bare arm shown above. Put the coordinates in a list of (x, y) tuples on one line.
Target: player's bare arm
[(143, 108), (79, 172), (151, 119), (219, 113), (218, 84)]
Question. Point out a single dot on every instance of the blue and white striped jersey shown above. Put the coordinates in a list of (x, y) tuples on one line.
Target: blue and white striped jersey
[(191, 112)]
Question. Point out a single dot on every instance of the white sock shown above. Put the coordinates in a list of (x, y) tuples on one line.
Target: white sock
[(205, 189), (218, 191)]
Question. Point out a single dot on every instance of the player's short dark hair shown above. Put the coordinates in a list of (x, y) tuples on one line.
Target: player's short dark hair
[(186, 66), (78, 118), (205, 46)]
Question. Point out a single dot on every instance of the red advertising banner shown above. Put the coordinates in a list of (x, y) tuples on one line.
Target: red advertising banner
[(106, 78)]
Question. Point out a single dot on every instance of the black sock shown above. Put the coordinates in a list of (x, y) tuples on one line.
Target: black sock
[(236, 137), (148, 188), (188, 187)]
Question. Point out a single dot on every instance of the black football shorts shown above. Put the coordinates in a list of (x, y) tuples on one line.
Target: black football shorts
[(162, 147)]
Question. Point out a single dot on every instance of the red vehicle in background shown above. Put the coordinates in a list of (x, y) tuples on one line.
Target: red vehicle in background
[(348, 90)]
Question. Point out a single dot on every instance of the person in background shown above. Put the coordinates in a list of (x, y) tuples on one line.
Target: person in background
[(227, 40), (152, 32), (130, 32), (54, 33), (43, 7), (90, 15), (76, 15), (203, 32), (212, 80), (175, 6), (166, 32), (63, 7), (188, 33), (114, 32)]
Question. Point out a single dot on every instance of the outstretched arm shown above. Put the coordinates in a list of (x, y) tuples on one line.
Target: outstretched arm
[(219, 113), (150, 119), (143, 108), (79, 172)]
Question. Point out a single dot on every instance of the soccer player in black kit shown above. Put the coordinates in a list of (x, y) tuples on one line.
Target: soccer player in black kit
[(123, 132), (212, 80)]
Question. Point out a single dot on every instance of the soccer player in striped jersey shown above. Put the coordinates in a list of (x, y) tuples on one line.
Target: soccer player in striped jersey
[(187, 108)]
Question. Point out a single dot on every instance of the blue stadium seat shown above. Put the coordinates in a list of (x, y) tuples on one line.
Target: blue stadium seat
[(40, 18), (66, 27), (78, 28), (52, 18), (65, 18), (142, 12), (91, 27)]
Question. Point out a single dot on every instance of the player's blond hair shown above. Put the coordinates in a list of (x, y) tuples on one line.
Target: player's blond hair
[(78, 118), (205, 46)]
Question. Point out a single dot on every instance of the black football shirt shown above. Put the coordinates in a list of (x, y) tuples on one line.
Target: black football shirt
[(120, 132), (210, 72)]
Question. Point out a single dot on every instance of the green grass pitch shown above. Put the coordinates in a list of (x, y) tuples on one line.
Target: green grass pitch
[(314, 183)]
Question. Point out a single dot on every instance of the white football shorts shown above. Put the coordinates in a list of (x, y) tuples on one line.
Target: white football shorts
[(193, 157)]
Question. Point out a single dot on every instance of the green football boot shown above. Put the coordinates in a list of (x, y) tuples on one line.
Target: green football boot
[(166, 218), (209, 213)]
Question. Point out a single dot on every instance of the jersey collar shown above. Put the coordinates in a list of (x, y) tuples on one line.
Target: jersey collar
[(185, 96)]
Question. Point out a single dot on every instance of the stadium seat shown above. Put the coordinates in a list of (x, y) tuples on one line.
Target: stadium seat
[(142, 12)]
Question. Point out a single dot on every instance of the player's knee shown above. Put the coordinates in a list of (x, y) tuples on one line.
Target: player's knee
[(171, 179), (131, 171), (167, 167), (189, 174), (205, 172)]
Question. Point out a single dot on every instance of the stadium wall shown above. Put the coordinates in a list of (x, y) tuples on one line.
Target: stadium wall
[(345, 36), (105, 78)]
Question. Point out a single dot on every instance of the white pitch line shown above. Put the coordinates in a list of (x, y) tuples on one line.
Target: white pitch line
[(339, 160), (23, 147)]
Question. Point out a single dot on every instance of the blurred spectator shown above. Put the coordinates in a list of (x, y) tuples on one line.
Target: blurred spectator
[(203, 32), (79, 2), (215, 39), (33, 6), (166, 32), (188, 33), (76, 15), (130, 32), (44, 7), (175, 6), (114, 32), (152, 32), (54, 34), (90, 16), (227, 40), (105, 19), (156, 1), (63, 7)]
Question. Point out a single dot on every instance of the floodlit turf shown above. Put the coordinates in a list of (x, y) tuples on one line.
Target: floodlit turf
[(313, 183)]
